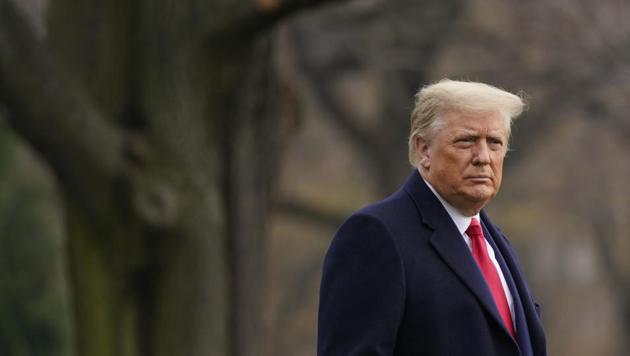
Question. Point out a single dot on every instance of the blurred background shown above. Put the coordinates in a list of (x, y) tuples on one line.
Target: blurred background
[(172, 172)]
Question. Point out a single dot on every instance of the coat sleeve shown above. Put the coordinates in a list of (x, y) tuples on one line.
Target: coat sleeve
[(362, 291)]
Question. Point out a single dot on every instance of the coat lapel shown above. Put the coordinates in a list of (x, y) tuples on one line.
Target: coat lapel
[(456, 254), (449, 244), (520, 289), (520, 320)]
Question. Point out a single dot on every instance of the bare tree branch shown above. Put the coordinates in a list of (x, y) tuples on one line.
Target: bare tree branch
[(264, 19), (260, 18), (320, 85), (56, 117)]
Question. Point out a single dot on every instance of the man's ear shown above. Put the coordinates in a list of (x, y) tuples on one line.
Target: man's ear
[(423, 154)]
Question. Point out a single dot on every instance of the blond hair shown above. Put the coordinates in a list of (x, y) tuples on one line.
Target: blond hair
[(436, 99)]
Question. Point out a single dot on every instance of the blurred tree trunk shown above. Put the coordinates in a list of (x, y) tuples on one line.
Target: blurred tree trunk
[(150, 270), (159, 129)]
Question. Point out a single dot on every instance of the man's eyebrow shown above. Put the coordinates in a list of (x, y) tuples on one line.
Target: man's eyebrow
[(466, 134)]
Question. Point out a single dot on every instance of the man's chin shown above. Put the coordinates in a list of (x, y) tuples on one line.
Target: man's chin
[(481, 196)]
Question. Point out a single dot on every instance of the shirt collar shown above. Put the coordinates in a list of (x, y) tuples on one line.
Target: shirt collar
[(461, 221)]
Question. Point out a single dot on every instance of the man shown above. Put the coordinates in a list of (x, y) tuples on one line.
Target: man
[(425, 272)]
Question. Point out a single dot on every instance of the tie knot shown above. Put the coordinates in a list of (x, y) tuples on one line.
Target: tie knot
[(474, 229)]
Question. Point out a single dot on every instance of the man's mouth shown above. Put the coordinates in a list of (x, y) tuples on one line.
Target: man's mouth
[(479, 179)]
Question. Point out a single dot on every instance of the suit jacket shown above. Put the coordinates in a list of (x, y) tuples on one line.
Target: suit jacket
[(398, 279)]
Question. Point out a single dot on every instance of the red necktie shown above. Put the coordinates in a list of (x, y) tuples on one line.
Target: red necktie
[(480, 253)]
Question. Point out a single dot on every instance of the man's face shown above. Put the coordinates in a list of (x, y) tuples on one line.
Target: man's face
[(464, 161)]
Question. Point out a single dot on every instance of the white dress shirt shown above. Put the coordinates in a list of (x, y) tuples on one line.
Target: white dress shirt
[(462, 222)]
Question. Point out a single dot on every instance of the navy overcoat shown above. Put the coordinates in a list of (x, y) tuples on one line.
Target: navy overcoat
[(398, 279)]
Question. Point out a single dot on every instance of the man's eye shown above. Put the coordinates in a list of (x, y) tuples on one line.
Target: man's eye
[(495, 144)]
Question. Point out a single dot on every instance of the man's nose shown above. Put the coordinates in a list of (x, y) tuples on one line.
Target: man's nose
[(481, 153)]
